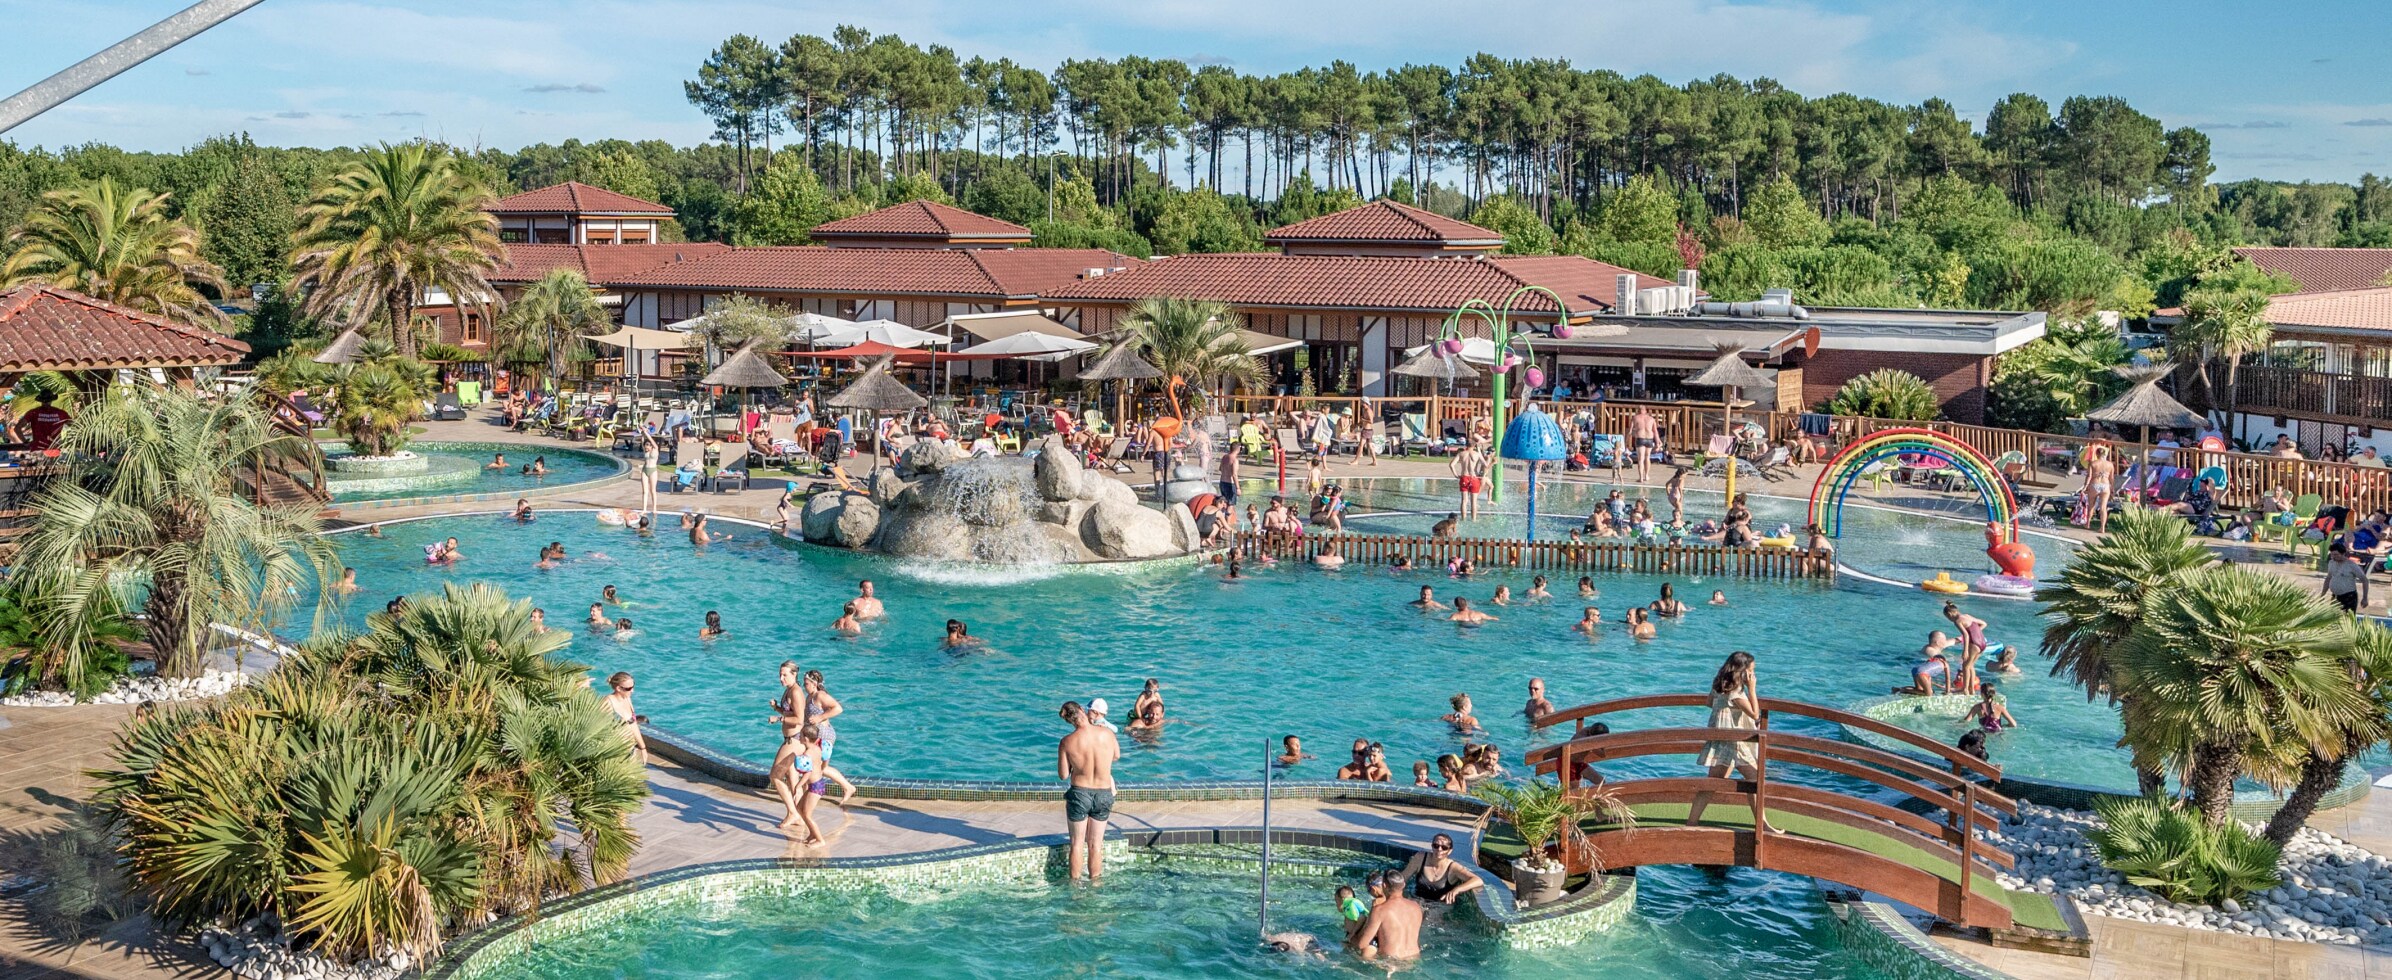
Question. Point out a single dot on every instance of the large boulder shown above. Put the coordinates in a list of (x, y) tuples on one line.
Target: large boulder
[(1183, 526), (992, 507), (1058, 470), (925, 456), (885, 486), (918, 534), (1114, 529), (840, 518), (1097, 487), (1063, 513)]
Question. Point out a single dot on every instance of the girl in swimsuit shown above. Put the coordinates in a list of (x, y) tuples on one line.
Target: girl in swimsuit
[(713, 630), (619, 702), (1972, 643), (1586, 587), (1460, 718), (807, 786), (821, 707), (1991, 713), (1449, 768), (1537, 590)]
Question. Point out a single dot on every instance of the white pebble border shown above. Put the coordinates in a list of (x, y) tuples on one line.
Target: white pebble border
[(2333, 891), (252, 958), (138, 688)]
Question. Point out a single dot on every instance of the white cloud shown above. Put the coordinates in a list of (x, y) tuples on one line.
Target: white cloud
[(364, 38)]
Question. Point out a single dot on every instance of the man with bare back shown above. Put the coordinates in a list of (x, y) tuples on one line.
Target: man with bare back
[(1085, 759)]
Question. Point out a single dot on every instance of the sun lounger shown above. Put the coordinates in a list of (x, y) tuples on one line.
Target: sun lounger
[(446, 409)]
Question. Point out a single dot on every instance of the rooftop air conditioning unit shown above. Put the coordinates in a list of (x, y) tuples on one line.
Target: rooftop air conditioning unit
[(1625, 288), (1092, 273)]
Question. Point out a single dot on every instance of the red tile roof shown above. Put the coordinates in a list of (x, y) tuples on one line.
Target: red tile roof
[(2322, 269), (602, 265), (573, 197), (923, 220), (44, 328), (1384, 221), (1359, 282), (1017, 273), (2344, 309)]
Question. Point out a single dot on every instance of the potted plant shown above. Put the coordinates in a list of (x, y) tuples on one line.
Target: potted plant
[(1548, 819)]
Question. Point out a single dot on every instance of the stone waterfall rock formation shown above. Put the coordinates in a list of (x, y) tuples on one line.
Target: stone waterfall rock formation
[(1003, 510)]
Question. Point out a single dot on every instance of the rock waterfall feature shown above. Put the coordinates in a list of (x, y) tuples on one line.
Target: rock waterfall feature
[(942, 506)]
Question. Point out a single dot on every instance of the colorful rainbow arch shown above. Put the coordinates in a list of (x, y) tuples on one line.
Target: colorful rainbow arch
[(1827, 495)]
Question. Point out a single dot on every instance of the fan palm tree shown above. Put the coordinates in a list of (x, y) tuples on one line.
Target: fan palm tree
[(1193, 340), (377, 401), (401, 221), (156, 513), (2232, 670), (115, 245), (2096, 602), (2226, 324), (2321, 767), (545, 324)]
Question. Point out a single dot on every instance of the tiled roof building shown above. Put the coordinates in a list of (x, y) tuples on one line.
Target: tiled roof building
[(44, 328)]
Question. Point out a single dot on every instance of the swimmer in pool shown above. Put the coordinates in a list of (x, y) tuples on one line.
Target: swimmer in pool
[(624, 630), (539, 466), (551, 556), (1991, 713), (1460, 718), (959, 636), (867, 606), (1590, 624), (1668, 604), (348, 582), (1719, 597), (1503, 596), (1292, 751), (1463, 614), (609, 596), (2005, 662), (1931, 672), (850, 624), (1537, 590), (1427, 600), (523, 511), (1232, 574), (497, 462), (1640, 623), (598, 616), (713, 630), (1586, 587), (539, 621), (1538, 706)]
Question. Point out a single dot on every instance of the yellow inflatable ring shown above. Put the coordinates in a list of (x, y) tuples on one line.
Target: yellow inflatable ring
[(1943, 582), (1784, 542)]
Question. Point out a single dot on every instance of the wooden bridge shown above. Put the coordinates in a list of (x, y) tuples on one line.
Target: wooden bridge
[(1558, 556), (1934, 861)]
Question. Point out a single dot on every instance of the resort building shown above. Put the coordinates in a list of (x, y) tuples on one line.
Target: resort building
[(604, 266), (578, 214), (45, 328), (2326, 377)]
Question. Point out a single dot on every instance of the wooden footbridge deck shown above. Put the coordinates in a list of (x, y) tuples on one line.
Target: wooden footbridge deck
[(1936, 861)]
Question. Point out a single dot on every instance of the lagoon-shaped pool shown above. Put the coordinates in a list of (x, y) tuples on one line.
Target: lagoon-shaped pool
[(1328, 656), (456, 468)]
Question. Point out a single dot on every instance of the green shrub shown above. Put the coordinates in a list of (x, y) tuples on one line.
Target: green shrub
[(81, 881), (1885, 394), (437, 351), (2172, 852)]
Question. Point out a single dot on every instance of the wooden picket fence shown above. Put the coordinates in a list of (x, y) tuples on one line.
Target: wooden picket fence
[(1557, 556)]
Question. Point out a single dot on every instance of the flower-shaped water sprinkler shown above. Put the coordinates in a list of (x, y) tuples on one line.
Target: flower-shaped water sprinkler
[(1509, 349)]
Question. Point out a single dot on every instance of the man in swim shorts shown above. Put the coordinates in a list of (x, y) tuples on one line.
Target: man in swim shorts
[(1644, 436), (1085, 759), (1470, 471)]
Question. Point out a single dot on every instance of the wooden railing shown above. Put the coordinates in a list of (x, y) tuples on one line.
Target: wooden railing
[(1827, 842), (2261, 389), (1559, 556), (1687, 427)]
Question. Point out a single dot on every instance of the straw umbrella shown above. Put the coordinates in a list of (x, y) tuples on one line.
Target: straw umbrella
[(745, 370), (1728, 373), (343, 349), (1121, 363), (2144, 405), (876, 392)]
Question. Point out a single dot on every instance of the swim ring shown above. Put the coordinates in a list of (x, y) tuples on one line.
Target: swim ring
[(2009, 585), (1943, 582), (1784, 542)]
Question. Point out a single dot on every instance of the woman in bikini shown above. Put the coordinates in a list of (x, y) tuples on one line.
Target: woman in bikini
[(821, 707), (1460, 717), (619, 702), (1449, 769), (1437, 877)]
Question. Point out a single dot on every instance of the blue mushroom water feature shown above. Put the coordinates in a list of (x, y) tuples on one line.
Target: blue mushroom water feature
[(1533, 438)]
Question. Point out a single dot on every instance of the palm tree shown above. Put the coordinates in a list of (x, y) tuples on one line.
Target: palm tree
[(545, 324), (377, 401), (401, 221), (2234, 670), (115, 245), (1192, 340), (2321, 766), (155, 512), (2226, 324), (2096, 603)]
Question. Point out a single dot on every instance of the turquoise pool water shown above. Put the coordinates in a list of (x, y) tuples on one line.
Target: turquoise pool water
[(459, 468), (1328, 656), (1166, 921)]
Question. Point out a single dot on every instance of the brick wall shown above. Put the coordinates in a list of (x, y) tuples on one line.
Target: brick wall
[(1959, 380)]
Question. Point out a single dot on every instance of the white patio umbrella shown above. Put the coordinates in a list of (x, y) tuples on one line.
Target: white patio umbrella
[(1030, 346), (816, 328), (888, 332)]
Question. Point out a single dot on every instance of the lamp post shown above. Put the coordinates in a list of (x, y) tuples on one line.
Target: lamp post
[(1505, 338)]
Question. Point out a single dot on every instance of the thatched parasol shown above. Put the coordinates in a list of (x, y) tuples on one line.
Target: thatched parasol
[(1729, 372), (1121, 363), (745, 370), (1424, 363), (878, 393), (343, 348), (2144, 405)]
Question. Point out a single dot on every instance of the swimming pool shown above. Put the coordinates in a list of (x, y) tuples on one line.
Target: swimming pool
[(461, 468), (1329, 656), (1155, 918)]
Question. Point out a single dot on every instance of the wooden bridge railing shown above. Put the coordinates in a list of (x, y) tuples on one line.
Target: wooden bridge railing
[(1967, 806), (1558, 556)]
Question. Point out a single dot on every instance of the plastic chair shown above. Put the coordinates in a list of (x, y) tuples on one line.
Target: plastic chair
[(1009, 444), (469, 392), (2304, 509)]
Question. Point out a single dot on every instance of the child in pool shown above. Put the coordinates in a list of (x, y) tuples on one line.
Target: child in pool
[(1294, 751), (623, 629)]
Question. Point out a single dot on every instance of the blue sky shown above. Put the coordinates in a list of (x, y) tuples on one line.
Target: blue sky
[(2284, 94)]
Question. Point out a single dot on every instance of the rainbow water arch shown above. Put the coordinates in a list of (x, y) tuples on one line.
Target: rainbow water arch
[(2015, 559)]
